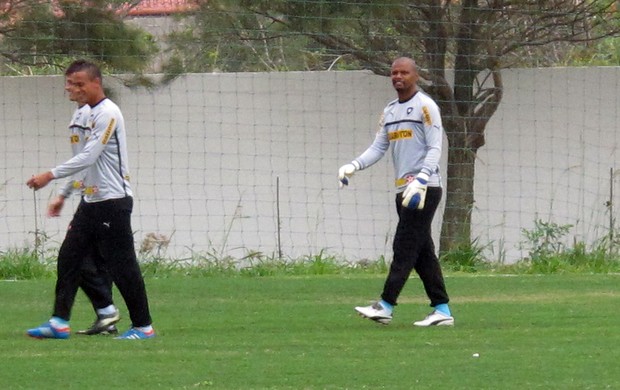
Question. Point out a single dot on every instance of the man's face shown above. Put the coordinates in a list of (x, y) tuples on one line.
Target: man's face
[(404, 75), (72, 90), (81, 87)]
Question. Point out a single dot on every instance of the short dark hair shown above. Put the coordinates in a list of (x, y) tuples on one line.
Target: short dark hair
[(84, 66)]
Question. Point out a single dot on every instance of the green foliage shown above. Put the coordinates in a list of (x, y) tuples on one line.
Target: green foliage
[(47, 39), (465, 258), (602, 53), (290, 35), (154, 262), (226, 38), (27, 264), (24, 264), (544, 240), (247, 35), (256, 264), (548, 252)]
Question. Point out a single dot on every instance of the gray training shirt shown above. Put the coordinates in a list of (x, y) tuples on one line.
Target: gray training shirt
[(413, 129)]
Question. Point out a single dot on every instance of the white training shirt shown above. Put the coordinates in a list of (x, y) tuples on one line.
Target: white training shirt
[(102, 158), (414, 131)]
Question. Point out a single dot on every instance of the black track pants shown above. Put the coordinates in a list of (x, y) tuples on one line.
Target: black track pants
[(103, 227), (96, 282), (414, 249)]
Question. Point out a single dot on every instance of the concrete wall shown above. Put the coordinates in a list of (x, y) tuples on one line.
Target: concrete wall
[(550, 148), (216, 158)]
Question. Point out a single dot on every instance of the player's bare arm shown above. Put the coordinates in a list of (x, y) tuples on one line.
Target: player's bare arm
[(39, 181)]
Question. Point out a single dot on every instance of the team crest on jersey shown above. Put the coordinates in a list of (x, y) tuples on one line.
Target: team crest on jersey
[(409, 110), (427, 116)]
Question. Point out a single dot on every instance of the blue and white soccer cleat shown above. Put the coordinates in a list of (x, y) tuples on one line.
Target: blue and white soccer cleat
[(49, 331), (136, 334)]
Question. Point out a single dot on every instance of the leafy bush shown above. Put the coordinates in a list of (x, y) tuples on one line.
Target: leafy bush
[(24, 264), (465, 258), (548, 253)]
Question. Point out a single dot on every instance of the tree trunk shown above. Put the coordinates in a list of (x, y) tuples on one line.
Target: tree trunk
[(456, 226)]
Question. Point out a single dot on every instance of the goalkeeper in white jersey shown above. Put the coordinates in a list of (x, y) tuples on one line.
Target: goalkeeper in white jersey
[(411, 128), (102, 221)]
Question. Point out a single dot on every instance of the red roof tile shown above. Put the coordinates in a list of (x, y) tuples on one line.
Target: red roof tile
[(163, 7)]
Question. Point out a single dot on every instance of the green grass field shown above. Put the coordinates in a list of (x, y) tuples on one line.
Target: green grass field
[(288, 332)]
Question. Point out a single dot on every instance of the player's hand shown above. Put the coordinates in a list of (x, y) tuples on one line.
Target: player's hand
[(346, 171), (55, 206), (415, 193), (39, 181)]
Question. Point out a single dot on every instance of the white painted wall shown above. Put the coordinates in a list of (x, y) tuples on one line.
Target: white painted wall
[(207, 151)]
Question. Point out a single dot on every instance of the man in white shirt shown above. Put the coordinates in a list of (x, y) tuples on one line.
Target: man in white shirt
[(94, 280), (102, 221)]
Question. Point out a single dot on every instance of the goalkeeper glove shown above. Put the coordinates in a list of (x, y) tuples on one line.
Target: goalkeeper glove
[(415, 193), (346, 171)]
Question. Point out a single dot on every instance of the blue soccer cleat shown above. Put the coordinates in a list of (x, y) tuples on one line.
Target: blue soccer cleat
[(136, 334), (49, 331)]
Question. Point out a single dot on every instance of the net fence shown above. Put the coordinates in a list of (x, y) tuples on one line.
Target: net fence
[(240, 119)]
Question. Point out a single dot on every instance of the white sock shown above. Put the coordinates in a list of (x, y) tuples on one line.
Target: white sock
[(106, 311), (58, 322)]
